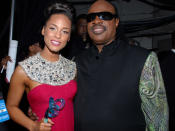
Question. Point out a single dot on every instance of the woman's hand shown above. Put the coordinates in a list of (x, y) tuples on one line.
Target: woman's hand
[(42, 126)]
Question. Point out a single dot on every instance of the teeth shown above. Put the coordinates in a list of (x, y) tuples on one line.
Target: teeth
[(97, 30), (55, 42)]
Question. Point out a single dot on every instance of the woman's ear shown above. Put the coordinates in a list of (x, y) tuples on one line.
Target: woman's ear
[(69, 38), (30, 48), (42, 31)]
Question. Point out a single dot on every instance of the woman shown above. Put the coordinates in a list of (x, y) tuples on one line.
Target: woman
[(47, 76)]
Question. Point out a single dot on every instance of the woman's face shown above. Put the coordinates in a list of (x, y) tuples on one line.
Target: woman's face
[(56, 32)]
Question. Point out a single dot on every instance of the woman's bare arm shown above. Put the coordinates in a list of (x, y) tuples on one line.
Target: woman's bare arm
[(16, 90)]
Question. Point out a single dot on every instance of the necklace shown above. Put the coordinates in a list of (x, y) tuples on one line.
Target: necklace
[(43, 71)]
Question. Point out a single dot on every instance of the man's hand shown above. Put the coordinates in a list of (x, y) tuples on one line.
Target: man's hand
[(32, 115)]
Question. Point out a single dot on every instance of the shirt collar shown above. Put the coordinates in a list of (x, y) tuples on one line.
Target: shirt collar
[(107, 49)]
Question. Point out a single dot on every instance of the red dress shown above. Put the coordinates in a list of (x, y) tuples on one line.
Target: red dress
[(38, 99)]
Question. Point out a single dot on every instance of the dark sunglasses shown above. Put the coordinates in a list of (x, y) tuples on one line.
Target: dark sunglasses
[(101, 16)]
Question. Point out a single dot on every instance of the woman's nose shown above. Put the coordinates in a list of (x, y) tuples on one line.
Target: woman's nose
[(58, 34)]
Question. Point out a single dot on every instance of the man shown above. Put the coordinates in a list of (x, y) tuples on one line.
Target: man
[(120, 87), (81, 24), (167, 65), (79, 40)]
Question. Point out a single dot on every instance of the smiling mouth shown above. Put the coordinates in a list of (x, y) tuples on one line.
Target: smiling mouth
[(98, 29), (56, 43)]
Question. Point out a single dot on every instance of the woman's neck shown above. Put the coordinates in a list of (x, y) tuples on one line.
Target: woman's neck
[(50, 56)]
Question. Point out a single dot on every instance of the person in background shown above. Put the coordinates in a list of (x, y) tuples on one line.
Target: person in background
[(79, 40), (47, 77), (30, 49), (81, 26), (34, 49), (3, 114), (3, 64), (120, 86)]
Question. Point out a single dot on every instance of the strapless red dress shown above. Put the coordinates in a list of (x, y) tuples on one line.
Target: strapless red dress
[(38, 99)]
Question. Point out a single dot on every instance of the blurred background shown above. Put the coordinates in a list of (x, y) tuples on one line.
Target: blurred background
[(147, 23)]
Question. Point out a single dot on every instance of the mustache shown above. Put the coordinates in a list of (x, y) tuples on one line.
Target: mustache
[(98, 25)]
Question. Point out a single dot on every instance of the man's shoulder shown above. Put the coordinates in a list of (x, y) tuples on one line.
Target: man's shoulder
[(134, 49), (139, 48)]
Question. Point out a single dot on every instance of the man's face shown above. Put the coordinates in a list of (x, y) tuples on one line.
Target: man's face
[(82, 27), (102, 32)]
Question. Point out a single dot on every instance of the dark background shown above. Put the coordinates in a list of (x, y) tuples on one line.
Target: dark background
[(29, 15)]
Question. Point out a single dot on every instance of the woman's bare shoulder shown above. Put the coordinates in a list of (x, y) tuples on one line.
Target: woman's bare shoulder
[(19, 73)]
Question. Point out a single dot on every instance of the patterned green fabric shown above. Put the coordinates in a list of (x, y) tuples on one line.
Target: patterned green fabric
[(153, 96)]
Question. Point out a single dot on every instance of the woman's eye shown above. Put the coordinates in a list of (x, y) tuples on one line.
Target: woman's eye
[(51, 28), (65, 32)]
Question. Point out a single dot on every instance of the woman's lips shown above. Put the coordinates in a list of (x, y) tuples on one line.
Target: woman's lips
[(56, 43)]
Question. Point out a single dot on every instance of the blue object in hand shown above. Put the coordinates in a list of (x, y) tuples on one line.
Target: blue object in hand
[(53, 108)]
